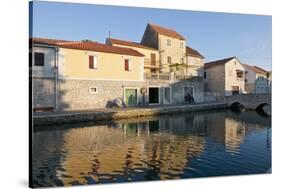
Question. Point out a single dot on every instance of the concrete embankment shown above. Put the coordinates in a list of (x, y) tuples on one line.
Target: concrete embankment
[(56, 118)]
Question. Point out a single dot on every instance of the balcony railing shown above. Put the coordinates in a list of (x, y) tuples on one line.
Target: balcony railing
[(169, 76), (148, 63), (157, 76), (186, 77)]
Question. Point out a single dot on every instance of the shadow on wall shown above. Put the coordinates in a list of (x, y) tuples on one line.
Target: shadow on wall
[(47, 94)]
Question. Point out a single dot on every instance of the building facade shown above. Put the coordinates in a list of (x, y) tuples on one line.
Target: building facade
[(225, 77), (257, 80), (73, 75)]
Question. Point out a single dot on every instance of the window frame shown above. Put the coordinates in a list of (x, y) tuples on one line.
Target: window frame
[(181, 45), (129, 65), (169, 42), (90, 90), (36, 59), (94, 64)]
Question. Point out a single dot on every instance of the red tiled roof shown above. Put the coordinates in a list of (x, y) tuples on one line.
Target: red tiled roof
[(46, 41), (129, 43), (167, 32), (90, 46), (192, 52), (257, 69), (217, 62), (94, 46)]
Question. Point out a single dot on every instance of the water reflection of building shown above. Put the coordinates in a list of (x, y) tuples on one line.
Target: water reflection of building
[(234, 134), (155, 149), (225, 130)]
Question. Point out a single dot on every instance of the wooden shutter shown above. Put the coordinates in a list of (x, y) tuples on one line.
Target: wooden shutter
[(126, 64), (95, 64), (91, 62)]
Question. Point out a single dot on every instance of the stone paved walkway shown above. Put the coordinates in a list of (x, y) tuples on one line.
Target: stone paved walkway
[(106, 114), (99, 110)]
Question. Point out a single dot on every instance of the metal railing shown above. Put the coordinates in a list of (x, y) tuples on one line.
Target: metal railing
[(152, 64), (186, 77), (157, 76)]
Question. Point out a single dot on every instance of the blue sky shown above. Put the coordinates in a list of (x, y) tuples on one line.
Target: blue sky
[(215, 35)]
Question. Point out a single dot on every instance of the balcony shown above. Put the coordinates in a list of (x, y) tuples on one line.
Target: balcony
[(148, 63), (187, 77), (157, 76)]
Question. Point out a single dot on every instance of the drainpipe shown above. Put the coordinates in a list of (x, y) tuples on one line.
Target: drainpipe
[(56, 70)]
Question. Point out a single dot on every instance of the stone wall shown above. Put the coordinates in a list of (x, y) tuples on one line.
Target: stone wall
[(43, 92), (75, 94), (249, 101), (215, 79)]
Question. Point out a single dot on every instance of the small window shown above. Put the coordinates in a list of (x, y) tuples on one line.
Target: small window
[(127, 64), (169, 42), (93, 62), (169, 59), (39, 59), (181, 44), (93, 89), (205, 75)]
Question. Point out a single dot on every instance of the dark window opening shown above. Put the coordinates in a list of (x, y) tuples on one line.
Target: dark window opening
[(39, 59)]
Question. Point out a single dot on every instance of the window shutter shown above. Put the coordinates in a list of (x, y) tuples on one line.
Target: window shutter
[(91, 62), (95, 62), (130, 65), (126, 65)]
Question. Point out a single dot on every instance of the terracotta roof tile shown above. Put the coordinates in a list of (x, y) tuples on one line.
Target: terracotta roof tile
[(46, 41), (167, 32), (217, 62), (257, 69), (129, 43), (192, 52), (94, 46), (90, 46)]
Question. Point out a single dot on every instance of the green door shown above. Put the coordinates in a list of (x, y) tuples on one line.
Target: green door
[(131, 97)]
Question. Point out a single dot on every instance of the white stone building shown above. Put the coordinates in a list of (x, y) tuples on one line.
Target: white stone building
[(256, 79), (224, 77)]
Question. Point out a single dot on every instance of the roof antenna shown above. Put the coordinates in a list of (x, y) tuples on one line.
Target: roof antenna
[(109, 34)]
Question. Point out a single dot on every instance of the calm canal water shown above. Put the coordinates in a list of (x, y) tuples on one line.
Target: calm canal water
[(189, 145)]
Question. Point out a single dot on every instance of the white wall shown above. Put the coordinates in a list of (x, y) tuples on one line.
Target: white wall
[(231, 78), (49, 61), (250, 75)]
